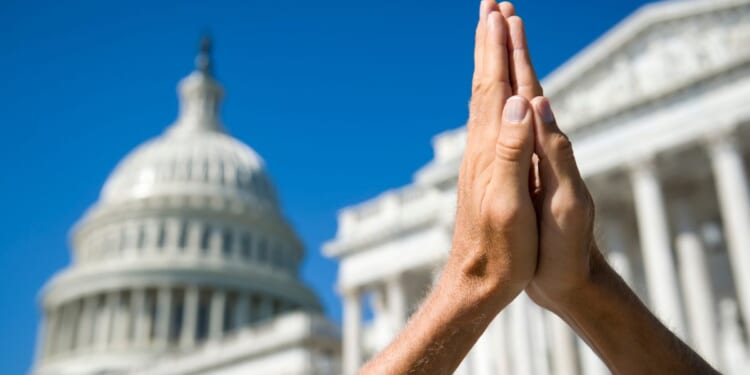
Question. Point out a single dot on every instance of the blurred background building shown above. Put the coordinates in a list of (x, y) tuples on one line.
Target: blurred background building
[(658, 110), (186, 264)]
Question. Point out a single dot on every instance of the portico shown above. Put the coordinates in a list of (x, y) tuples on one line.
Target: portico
[(664, 152)]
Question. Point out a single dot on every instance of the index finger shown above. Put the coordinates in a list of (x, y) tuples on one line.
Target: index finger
[(523, 76)]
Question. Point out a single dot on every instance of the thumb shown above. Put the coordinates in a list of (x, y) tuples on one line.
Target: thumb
[(557, 164), (514, 146)]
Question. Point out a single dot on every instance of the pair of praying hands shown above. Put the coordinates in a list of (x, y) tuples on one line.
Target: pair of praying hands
[(524, 222)]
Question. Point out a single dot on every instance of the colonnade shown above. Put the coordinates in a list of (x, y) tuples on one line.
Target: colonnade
[(185, 238), (163, 317), (678, 281)]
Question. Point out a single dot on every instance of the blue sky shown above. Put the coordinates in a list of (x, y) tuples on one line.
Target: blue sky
[(340, 97)]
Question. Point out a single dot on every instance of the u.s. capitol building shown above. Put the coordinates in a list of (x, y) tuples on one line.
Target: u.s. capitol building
[(658, 111), (186, 265)]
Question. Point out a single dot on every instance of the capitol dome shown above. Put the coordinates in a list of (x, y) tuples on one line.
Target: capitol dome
[(192, 163), (187, 245)]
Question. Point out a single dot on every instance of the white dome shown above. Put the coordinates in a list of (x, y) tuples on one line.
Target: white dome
[(190, 163), (194, 156)]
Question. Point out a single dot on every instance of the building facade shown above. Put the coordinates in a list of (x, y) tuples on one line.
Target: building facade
[(658, 110), (185, 264)]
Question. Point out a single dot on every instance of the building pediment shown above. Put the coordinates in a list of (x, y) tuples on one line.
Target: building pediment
[(661, 49)]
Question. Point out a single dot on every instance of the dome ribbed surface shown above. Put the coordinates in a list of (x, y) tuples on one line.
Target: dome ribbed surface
[(197, 163)]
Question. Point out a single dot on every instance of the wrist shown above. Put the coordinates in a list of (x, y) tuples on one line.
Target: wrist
[(587, 291), (471, 292)]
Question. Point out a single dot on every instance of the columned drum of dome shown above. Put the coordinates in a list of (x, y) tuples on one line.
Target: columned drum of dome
[(186, 245)]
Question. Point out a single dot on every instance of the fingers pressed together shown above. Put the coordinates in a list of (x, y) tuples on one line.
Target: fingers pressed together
[(505, 88)]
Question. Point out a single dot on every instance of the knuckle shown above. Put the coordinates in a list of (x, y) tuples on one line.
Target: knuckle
[(483, 86), (573, 205), (566, 207), (510, 148), (502, 214), (562, 145)]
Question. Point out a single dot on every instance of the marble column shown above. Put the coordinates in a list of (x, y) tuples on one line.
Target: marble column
[(696, 285), (215, 243), (69, 332), (172, 227), (106, 317), (734, 199), (352, 332), (51, 329), (151, 233), (86, 325), (482, 363), (591, 364), (519, 331), (538, 333), (265, 308), (216, 316), (195, 231), (63, 330), (242, 311), (661, 276), (381, 319), (396, 298), (500, 345), (563, 346), (188, 331), (734, 351), (617, 248), (120, 322), (237, 245), (141, 316), (163, 316)]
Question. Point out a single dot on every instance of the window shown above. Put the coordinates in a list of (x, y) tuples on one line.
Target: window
[(262, 250), (246, 247), (278, 257), (123, 240), (220, 171), (162, 237), (182, 239), (141, 242), (226, 242), (206, 239)]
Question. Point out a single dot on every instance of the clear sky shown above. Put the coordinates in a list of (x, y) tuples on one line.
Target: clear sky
[(340, 97)]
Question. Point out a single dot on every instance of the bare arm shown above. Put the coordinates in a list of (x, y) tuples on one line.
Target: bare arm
[(572, 278), (493, 254), (574, 281), (611, 318)]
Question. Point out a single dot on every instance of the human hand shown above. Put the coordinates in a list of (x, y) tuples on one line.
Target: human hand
[(564, 208), (567, 250), (495, 242)]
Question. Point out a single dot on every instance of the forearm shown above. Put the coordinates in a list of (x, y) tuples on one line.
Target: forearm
[(616, 324), (440, 333)]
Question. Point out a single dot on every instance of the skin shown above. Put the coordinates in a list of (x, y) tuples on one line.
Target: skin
[(525, 222)]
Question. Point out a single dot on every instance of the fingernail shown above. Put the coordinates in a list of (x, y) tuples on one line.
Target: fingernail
[(515, 109), (545, 110)]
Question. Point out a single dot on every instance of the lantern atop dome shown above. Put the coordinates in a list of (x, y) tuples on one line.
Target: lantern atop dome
[(200, 96)]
